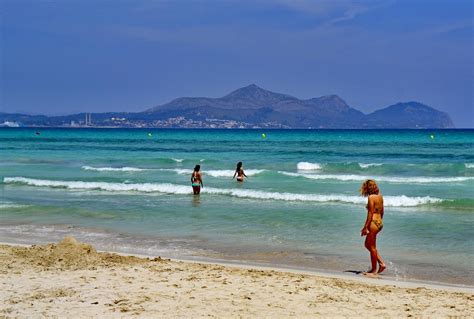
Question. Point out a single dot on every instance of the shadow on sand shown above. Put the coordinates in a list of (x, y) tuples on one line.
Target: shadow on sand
[(356, 272)]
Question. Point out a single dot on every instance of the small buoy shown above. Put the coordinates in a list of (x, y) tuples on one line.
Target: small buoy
[(432, 136), (38, 133), (150, 135), (264, 135)]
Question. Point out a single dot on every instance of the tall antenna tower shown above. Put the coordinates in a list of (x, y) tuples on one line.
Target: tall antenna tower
[(88, 121)]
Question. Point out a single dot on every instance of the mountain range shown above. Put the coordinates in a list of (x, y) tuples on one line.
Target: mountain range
[(253, 107)]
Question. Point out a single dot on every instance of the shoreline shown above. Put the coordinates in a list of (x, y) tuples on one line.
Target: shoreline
[(243, 129), (67, 278), (244, 264), (378, 280)]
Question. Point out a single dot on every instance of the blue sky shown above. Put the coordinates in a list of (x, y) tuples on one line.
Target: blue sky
[(61, 57)]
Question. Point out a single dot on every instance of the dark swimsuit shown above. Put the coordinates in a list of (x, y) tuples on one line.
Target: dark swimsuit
[(195, 184), (240, 178)]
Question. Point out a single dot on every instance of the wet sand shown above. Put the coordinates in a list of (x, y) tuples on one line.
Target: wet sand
[(70, 279)]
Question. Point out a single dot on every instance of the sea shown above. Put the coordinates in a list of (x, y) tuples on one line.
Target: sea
[(129, 191)]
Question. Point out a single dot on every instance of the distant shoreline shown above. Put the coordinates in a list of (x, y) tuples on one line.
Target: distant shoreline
[(240, 129), (251, 107)]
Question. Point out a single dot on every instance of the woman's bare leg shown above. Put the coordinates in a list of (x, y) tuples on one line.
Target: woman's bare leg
[(381, 263), (370, 245), (382, 267)]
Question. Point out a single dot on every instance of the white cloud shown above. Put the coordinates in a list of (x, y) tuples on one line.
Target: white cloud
[(336, 10)]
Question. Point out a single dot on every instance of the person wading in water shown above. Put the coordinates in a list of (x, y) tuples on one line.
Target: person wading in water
[(196, 180)]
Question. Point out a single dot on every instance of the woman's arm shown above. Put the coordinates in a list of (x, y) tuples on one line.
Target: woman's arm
[(200, 180), (370, 212), (243, 173), (235, 173)]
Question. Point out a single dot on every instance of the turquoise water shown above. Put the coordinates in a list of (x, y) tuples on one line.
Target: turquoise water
[(126, 191)]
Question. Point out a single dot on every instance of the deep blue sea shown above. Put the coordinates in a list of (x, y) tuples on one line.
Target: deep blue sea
[(129, 190)]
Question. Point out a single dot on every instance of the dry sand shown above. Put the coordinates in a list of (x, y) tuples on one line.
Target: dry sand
[(74, 280)]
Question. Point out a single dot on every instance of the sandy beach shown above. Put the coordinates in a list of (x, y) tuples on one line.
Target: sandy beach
[(71, 279)]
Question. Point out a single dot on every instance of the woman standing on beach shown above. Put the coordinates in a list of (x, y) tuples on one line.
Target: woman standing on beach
[(239, 171), (373, 224), (196, 180)]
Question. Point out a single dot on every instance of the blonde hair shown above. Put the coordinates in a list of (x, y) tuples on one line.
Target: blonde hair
[(369, 187)]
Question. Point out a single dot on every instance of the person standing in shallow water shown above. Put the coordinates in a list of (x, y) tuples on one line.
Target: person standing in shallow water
[(239, 171), (373, 224), (196, 180)]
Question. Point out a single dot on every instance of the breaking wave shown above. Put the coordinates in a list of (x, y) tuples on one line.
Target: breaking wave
[(213, 173), (364, 165), (181, 171), (230, 173), (306, 166), (5, 205), (391, 179), (114, 169), (168, 188)]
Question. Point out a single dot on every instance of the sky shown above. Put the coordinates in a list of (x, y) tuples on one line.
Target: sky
[(69, 56)]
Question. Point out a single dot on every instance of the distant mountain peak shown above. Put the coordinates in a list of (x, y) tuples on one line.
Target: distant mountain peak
[(252, 86), (333, 98), (253, 106), (249, 88), (333, 101), (411, 104), (256, 93), (410, 115)]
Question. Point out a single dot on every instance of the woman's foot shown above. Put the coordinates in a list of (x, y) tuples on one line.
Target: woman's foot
[(370, 272), (381, 268)]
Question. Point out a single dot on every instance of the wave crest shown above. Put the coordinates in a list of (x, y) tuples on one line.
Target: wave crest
[(390, 179), (5, 205), (367, 165), (214, 173), (138, 187), (230, 173), (114, 169), (167, 188), (307, 166)]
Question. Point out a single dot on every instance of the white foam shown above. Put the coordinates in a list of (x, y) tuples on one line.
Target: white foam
[(230, 173), (114, 169), (469, 165), (5, 205), (396, 201), (308, 166), (323, 177), (390, 179), (181, 171), (142, 187), (405, 201), (214, 173), (363, 165), (178, 160)]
